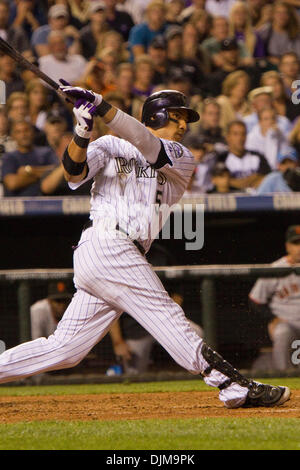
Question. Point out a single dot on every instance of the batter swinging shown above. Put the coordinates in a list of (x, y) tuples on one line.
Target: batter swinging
[(146, 166)]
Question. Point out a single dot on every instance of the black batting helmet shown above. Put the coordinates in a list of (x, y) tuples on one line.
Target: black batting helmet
[(155, 110)]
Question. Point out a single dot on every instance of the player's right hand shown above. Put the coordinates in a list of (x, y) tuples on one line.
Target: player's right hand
[(80, 93), (84, 112)]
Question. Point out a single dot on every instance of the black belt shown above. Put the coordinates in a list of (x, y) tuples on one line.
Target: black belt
[(136, 243)]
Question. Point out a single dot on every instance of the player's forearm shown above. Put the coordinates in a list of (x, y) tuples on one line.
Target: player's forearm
[(78, 156), (133, 131)]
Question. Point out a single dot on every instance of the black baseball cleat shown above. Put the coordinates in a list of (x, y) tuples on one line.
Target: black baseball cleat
[(266, 395)]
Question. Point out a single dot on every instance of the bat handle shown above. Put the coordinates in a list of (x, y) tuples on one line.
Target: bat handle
[(65, 97)]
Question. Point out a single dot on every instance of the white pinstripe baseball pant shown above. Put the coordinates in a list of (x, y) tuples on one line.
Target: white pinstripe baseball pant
[(111, 276)]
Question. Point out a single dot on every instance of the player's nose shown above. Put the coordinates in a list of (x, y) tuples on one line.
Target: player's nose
[(182, 124)]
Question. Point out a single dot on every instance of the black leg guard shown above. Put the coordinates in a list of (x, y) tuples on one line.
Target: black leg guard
[(217, 362)]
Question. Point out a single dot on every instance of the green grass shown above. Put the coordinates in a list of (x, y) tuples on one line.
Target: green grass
[(183, 434), (127, 387), (172, 434)]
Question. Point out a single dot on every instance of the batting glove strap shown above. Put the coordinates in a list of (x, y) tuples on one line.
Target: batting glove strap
[(82, 142)]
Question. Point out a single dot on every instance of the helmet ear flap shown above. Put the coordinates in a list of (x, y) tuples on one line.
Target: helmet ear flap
[(158, 119)]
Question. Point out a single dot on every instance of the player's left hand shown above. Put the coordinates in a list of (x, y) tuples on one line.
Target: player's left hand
[(84, 112), (80, 93)]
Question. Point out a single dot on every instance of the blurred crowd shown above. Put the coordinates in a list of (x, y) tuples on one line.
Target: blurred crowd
[(237, 62)]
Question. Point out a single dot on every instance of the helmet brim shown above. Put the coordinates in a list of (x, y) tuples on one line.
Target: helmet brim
[(193, 115)]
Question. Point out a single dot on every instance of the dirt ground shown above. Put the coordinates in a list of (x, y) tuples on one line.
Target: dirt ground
[(133, 406)]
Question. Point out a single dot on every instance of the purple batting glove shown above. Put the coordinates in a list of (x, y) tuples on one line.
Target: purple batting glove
[(78, 92), (84, 112)]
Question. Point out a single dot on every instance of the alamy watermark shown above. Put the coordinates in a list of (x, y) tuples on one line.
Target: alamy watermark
[(295, 359), (296, 94), (146, 222), (2, 92)]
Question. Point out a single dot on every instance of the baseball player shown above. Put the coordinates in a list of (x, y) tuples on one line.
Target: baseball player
[(46, 313), (133, 173), (280, 299)]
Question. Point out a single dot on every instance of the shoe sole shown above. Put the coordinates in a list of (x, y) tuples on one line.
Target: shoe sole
[(284, 397)]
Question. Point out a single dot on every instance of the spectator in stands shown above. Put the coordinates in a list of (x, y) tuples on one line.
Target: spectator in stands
[(277, 299), (7, 144), (219, 7), (38, 96), (175, 60), (289, 68), (260, 12), (158, 53), (112, 40), (28, 15), (92, 33), (119, 21), (94, 77), (135, 8), (26, 75), (23, 169), (282, 34), (143, 72), (195, 7), (230, 62), (109, 59), (241, 28), (124, 85), (233, 100), (205, 159), (281, 101), (202, 22), (247, 168), (259, 99), (221, 177), (46, 313), (209, 129), (277, 181), (15, 36), (58, 21), (17, 107), (56, 130), (142, 34), (267, 138), (59, 63), (79, 12), (212, 45), (8, 74), (192, 49), (53, 182), (294, 137), (173, 11)]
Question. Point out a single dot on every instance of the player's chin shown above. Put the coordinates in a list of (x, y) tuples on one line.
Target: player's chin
[(178, 137)]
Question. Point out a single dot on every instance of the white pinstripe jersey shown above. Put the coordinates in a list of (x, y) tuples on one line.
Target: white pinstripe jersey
[(126, 187)]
